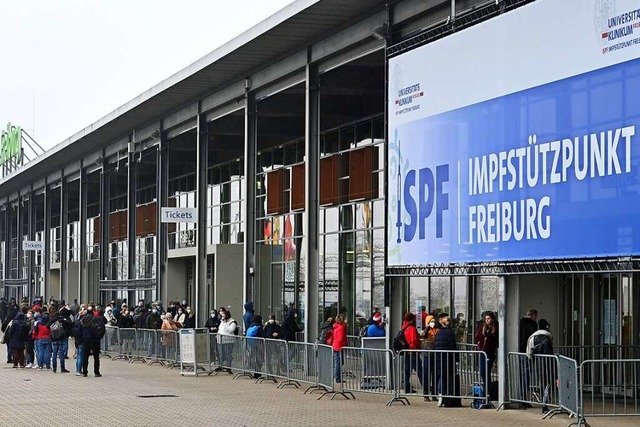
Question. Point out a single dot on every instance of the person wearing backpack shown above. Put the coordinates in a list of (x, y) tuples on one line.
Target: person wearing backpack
[(326, 330), (57, 325), (412, 360), (93, 329), (541, 343), (18, 334), (337, 341)]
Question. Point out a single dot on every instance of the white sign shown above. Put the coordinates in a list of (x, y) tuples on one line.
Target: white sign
[(170, 215), (32, 245)]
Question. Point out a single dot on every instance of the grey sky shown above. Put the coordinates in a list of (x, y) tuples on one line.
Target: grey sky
[(80, 59)]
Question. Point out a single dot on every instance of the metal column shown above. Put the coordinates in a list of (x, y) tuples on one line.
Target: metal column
[(18, 225), (502, 340), (312, 119), (132, 185), (104, 221), (46, 256), (83, 285), (201, 303), (162, 170), (32, 254), (250, 141), (64, 208)]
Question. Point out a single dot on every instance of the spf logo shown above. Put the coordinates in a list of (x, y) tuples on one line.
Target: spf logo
[(431, 198)]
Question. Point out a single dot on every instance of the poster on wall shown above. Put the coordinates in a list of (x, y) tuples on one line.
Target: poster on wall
[(610, 322), (511, 143)]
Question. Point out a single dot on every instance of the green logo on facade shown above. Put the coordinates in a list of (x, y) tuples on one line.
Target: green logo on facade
[(11, 144)]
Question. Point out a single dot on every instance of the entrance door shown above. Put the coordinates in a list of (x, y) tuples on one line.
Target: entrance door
[(577, 314)]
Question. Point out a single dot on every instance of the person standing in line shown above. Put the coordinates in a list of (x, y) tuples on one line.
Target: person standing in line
[(91, 340), (376, 327), (79, 340), (527, 326), (29, 344), (57, 325), (247, 318), (190, 319), (17, 334), (487, 341), (227, 329), (541, 343), (169, 328), (42, 339), (446, 365), (412, 360), (337, 341), (290, 325)]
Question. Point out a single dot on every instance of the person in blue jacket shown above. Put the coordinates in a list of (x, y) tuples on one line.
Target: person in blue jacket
[(256, 346), (376, 328), (249, 312)]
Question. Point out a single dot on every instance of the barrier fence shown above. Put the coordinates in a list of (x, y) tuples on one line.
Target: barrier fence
[(591, 388)]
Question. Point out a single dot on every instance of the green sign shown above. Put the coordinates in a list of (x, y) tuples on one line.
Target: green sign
[(11, 144)]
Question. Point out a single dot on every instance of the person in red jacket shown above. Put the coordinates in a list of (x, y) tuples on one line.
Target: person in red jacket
[(487, 340), (42, 339), (412, 360), (337, 341)]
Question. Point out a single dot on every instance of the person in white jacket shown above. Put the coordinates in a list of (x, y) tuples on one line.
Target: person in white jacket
[(228, 328)]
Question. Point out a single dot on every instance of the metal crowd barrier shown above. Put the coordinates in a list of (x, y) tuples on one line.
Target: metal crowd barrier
[(581, 353), (610, 388), (446, 376), (301, 363), (533, 381), (371, 371)]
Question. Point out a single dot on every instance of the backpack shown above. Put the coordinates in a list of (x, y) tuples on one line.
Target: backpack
[(400, 342), (363, 331), (24, 331), (235, 331), (57, 331), (325, 336), (97, 329)]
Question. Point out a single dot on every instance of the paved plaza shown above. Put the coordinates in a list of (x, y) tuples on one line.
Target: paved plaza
[(50, 399)]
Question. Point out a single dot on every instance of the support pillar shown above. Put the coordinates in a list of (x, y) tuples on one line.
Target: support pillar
[(132, 185), (32, 254), (104, 223), (83, 285), (64, 208), (312, 126), (162, 170), (502, 339), (249, 188), (46, 256), (201, 302)]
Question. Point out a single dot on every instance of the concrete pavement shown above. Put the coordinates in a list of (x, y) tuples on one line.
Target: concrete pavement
[(59, 399)]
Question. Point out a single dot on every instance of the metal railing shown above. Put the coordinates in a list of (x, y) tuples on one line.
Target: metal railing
[(610, 388)]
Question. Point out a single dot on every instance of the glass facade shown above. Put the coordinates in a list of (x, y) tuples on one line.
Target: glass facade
[(351, 223), (225, 203)]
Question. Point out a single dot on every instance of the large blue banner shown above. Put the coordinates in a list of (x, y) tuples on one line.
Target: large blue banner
[(548, 172)]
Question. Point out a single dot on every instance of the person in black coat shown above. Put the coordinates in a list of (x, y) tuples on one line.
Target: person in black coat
[(18, 339), (290, 325), (446, 365), (541, 343), (527, 326)]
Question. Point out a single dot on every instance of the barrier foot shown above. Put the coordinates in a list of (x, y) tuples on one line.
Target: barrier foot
[(288, 383), (313, 388), (260, 380), (137, 359), (242, 374), (552, 413), (151, 362), (335, 393), (402, 400), (123, 357), (581, 421), (172, 365)]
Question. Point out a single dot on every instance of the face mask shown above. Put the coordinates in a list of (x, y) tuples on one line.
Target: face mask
[(295, 315), (272, 321), (432, 324), (162, 317), (188, 311), (213, 315), (179, 311), (154, 311), (29, 315)]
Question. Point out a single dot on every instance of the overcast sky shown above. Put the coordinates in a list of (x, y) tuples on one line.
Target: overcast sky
[(70, 62)]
